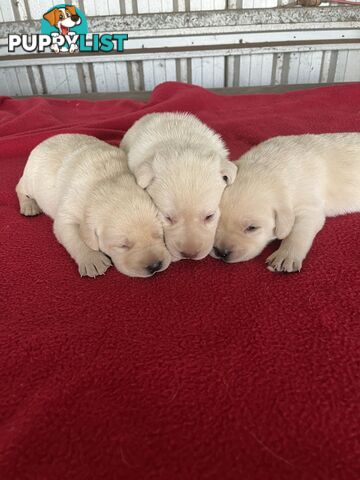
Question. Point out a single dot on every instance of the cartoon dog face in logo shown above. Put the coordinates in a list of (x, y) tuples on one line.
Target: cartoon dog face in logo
[(63, 19)]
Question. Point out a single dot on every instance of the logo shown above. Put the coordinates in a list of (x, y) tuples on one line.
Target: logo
[(64, 29)]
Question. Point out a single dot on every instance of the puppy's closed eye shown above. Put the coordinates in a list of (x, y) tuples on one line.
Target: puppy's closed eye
[(209, 217), (251, 228), (122, 246)]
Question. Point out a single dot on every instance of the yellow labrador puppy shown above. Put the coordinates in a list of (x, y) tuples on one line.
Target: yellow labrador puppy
[(99, 211), (284, 189), (184, 166)]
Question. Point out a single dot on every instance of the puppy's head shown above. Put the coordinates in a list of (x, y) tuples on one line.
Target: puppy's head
[(128, 229), (63, 18), (252, 215), (187, 188)]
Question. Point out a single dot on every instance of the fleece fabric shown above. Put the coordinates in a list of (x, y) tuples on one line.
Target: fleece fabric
[(207, 371)]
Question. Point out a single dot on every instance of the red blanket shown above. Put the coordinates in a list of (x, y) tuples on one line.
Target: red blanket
[(207, 371)]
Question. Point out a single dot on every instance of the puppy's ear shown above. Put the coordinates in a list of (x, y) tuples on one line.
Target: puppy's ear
[(71, 9), (89, 235), (50, 17), (284, 222), (144, 174), (228, 171)]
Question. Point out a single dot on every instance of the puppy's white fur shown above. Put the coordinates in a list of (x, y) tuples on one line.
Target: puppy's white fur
[(184, 167), (285, 187), (85, 185)]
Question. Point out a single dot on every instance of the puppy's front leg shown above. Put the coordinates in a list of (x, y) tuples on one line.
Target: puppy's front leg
[(295, 247), (90, 262)]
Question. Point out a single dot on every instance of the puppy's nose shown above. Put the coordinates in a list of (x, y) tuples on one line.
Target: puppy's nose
[(222, 253), (154, 267), (75, 18), (189, 254)]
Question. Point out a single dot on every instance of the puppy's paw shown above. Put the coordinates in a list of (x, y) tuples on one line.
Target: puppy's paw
[(55, 48), (284, 261), (29, 208), (93, 264)]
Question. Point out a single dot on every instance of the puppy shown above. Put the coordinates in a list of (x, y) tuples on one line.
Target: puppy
[(63, 19), (99, 211), (285, 187), (183, 165)]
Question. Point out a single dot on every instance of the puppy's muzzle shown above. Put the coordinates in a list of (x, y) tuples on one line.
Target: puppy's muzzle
[(222, 254)]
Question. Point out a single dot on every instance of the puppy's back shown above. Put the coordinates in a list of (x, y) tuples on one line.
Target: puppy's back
[(323, 166), (68, 165), (91, 164)]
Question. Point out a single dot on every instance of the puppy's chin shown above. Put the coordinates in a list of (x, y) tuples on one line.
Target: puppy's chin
[(202, 255), (237, 257), (176, 255), (243, 257), (138, 273)]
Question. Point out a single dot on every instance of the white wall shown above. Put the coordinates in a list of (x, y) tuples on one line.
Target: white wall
[(34, 9), (215, 48)]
